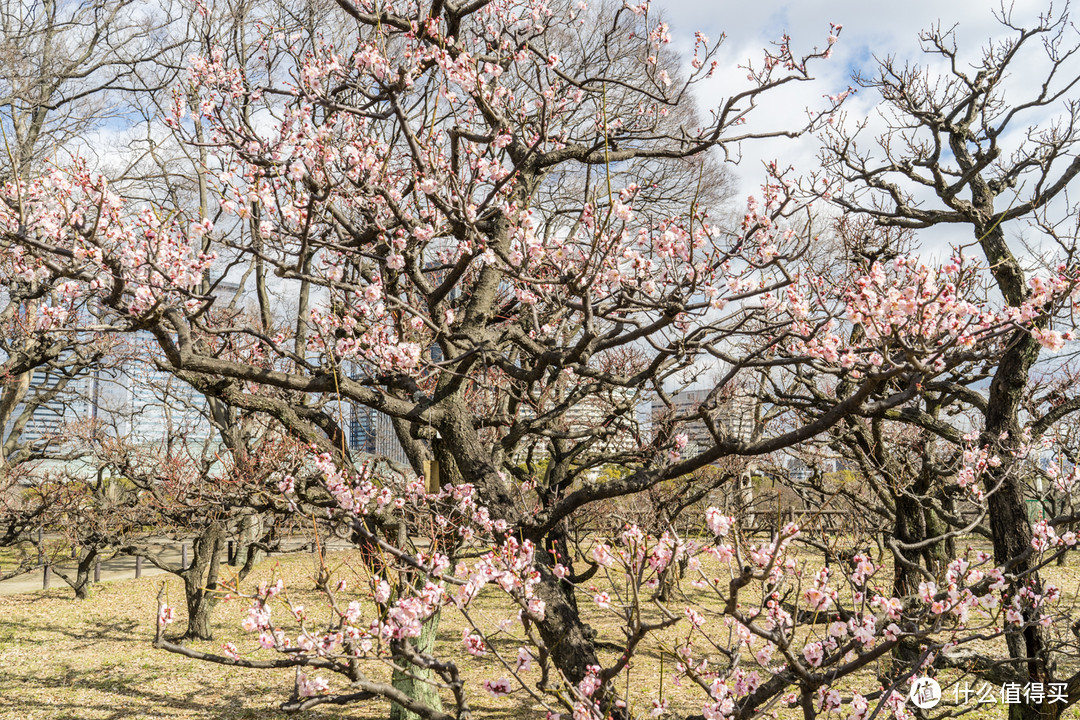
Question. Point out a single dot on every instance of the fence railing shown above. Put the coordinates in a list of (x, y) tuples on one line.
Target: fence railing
[(47, 567)]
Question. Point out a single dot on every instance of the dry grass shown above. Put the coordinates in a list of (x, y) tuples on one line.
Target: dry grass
[(60, 658), (55, 548)]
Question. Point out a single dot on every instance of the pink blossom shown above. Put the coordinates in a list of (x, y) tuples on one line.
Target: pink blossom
[(1050, 339), (814, 654), (499, 687), (474, 644), (309, 687), (718, 523), (601, 553)]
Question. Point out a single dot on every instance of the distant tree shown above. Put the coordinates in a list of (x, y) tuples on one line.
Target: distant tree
[(65, 69)]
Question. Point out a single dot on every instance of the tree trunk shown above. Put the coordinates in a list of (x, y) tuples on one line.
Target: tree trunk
[(1009, 523), (200, 583), (416, 682), (567, 637), (80, 583), (1011, 531), (670, 577), (914, 523), (908, 528), (252, 529), (84, 573)]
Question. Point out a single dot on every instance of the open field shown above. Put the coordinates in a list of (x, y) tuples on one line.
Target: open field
[(60, 658)]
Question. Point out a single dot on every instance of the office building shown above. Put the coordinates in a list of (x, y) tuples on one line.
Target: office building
[(734, 416)]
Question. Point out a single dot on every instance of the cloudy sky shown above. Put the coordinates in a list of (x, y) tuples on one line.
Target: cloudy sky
[(870, 28)]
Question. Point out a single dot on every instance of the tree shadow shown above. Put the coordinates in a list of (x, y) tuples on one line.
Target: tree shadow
[(122, 685), (124, 692), (121, 693), (524, 708), (116, 631)]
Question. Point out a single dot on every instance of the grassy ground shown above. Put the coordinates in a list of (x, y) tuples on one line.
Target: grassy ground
[(91, 660), (61, 658), (65, 659), (54, 548)]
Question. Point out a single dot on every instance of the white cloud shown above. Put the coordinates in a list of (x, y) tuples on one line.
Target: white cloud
[(870, 30)]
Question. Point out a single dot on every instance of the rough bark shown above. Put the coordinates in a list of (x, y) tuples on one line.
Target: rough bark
[(416, 682), (1009, 523), (200, 583)]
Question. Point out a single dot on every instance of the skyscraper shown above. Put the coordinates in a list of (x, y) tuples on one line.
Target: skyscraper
[(735, 415), (54, 400), (372, 432)]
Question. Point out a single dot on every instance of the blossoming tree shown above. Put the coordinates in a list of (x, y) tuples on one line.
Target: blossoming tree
[(966, 148), (492, 223)]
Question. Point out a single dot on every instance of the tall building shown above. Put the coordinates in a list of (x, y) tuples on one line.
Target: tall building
[(55, 395), (735, 415), (54, 404), (156, 406), (362, 425), (614, 413), (148, 405), (611, 417), (372, 432), (129, 397)]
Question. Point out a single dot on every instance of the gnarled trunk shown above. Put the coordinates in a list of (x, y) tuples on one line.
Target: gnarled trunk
[(81, 580), (1009, 523), (200, 582)]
